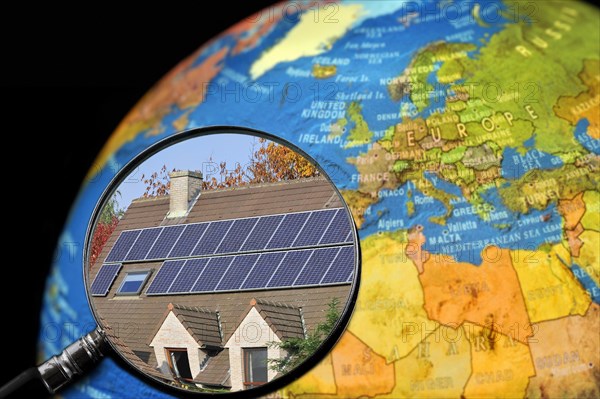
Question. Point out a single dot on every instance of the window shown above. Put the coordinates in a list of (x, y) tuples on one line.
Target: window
[(255, 367), (133, 282), (179, 363)]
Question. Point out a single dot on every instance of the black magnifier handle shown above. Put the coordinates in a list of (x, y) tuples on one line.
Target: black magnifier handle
[(59, 370)]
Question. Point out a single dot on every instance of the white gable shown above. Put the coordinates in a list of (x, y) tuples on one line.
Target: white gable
[(253, 332), (172, 334)]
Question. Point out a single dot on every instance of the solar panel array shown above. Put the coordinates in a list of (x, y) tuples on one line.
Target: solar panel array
[(276, 251), (292, 230), (280, 269)]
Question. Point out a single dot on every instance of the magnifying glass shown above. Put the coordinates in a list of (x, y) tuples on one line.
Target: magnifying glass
[(215, 274)]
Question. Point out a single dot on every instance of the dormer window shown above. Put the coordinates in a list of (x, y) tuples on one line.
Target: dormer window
[(179, 364)]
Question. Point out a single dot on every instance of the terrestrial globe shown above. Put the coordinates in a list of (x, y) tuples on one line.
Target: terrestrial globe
[(464, 136)]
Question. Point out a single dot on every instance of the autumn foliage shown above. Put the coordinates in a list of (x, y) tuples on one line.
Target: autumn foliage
[(273, 162), (157, 183), (270, 162), (107, 222), (101, 235)]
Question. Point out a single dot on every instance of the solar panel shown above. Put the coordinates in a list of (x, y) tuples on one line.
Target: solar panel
[(236, 236), (104, 279), (316, 266), (215, 269), (237, 272), (165, 276), (289, 268), (142, 245), (349, 237), (188, 275), (342, 268), (215, 233), (263, 270), (165, 241), (288, 230), (188, 240), (264, 229), (315, 227), (122, 246), (338, 229)]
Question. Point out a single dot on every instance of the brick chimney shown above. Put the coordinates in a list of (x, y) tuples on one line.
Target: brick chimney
[(185, 187)]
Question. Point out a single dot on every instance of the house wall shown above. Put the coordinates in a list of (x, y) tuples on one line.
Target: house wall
[(172, 334), (253, 332)]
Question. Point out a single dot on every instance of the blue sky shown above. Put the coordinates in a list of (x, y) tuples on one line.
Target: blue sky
[(191, 154)]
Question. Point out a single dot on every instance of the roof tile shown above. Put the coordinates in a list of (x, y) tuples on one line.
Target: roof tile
[(216, 372), (202, 324)]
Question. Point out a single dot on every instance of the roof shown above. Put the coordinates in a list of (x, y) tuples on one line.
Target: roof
[(279, 307), (264, 199), (202, 324), (126, 352), (239, 202), (216, 372), (144, 314), (285, 320)]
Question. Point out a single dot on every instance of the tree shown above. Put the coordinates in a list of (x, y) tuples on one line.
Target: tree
[(107, 222), (229, 178), (269, 162), (273, 162), (300, 349), (158, 183)]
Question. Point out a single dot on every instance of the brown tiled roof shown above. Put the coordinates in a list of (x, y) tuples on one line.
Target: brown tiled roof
[(285, 320), (126, 351), (216, 372), (265, 199), (202, 324)]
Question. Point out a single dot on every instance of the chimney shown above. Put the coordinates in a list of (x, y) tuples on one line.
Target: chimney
[(185, 187)]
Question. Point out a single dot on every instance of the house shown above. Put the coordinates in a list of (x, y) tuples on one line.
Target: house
[(194, 287)]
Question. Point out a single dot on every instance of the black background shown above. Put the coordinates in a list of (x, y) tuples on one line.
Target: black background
[(67, 77)]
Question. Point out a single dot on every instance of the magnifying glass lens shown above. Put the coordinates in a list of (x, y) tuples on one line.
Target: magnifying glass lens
[(221, 263)]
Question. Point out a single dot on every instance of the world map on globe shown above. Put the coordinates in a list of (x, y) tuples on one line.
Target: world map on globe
[(465, 138)]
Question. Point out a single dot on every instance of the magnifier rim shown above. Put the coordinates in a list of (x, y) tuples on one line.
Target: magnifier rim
[(329, 341)]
